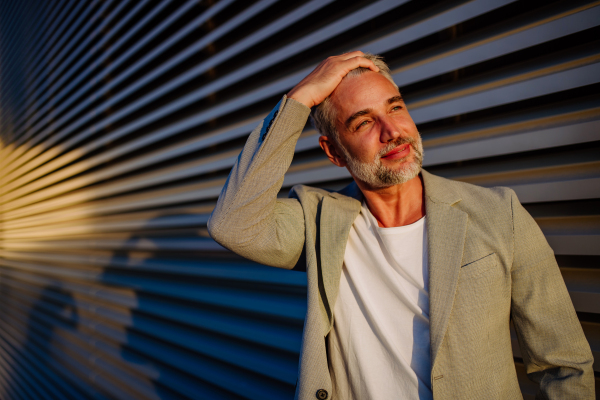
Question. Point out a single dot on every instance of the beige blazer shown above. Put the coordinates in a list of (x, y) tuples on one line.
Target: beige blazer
[(488, 263)]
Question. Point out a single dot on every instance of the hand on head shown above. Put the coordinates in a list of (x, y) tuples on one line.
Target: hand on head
[(323, 80)]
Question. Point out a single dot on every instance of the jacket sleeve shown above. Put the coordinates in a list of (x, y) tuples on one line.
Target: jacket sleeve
[(249, 219), (555, 351)]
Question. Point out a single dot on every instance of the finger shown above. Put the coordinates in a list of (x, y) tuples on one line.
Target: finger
[(352, 54), (358, 61)]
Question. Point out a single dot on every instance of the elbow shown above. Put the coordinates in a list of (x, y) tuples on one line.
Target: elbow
[(213, 225), (226, 233)]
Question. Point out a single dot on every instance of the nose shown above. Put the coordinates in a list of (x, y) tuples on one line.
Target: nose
[(389, 129)]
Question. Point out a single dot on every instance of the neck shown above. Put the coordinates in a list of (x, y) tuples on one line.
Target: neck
[(397, 205)]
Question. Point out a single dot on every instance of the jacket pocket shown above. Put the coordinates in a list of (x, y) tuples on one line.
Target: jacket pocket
[(480, 268)]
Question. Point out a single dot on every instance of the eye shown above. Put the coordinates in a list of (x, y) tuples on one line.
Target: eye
[(397, 108), (361, 124)]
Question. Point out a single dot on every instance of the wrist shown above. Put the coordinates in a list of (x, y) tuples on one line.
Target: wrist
[(300, 97)]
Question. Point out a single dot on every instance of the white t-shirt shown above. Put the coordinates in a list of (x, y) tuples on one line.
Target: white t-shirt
[(379, 347)]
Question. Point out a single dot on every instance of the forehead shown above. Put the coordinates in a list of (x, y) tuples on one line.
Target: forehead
[(369, 90)]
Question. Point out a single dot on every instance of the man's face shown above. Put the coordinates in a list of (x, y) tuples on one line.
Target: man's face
[(380, 142)]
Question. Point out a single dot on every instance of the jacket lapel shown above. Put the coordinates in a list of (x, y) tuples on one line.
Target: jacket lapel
[(338, 213), (446, 232)]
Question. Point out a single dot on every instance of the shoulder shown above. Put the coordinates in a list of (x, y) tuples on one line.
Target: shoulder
[(311, 198), (483, 195), (308, 193), (489, 210), (469, 197)]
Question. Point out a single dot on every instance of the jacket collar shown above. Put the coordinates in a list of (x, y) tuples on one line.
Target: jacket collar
[(440, 190), (351, 191)]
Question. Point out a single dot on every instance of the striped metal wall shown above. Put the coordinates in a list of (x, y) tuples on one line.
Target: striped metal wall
[(120, 120)]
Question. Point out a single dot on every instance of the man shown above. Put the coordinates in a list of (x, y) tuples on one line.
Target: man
[(412, 279)]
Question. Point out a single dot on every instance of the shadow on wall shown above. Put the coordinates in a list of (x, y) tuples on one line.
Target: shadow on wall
[(183, 332), (157, 315), (36, 325)]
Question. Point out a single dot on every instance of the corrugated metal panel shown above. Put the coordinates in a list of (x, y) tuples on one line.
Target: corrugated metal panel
[(121, 119)]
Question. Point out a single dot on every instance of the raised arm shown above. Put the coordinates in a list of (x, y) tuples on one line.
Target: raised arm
[(554, 348), (249, 219)]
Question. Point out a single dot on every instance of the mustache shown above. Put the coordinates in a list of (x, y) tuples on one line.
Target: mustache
[(397, 142)]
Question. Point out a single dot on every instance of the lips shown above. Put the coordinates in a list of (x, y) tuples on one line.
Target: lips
[(400, 151)]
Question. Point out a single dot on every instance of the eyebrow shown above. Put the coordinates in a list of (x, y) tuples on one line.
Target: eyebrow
[(395, 99), (356, 115), (391, 100)]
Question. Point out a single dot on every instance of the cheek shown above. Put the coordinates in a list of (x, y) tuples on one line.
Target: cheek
[(410, 124), (365, 151), (363, 145)]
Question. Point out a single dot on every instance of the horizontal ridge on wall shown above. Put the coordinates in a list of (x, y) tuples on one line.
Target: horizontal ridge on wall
[(120, 121)]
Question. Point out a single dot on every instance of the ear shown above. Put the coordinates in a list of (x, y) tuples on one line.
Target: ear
[(330, 150)]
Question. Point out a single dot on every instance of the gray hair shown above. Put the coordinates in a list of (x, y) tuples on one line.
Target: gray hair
[(323, 116)]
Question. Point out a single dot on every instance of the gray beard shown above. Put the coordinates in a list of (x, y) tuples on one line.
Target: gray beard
[(378, 176)]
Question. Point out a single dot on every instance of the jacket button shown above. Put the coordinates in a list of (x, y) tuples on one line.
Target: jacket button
[(322, 394)]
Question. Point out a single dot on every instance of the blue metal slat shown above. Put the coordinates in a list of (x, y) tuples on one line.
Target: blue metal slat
[(39, 31), (40, 48), (55, 43), (20, 118), (37, 356), (277, 305), (46, 383), (266, 332), (72, 347), (247, 385), (12, 383), (184, 193), (77, 29), (40, 136), (521, 142), (12, 66), (169, 63), (41, 74), (496, 43), (49, 27), (72, 360), (95, 60), (434, 21), (144, 343), (551, 82), (241, 271)]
